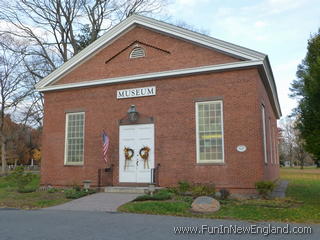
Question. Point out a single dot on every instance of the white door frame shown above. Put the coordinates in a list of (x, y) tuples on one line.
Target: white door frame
[(136, 136)]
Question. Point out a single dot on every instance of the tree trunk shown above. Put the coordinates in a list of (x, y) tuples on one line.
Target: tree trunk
[(291, 157), (318, 163), (3, 158)]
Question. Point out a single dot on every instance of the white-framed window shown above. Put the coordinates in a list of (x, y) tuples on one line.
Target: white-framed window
[(271, 142), (264, 133), (209, 132), (74, 138), (275, 141)]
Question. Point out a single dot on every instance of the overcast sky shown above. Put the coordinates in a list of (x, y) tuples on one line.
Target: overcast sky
[(279, 28)]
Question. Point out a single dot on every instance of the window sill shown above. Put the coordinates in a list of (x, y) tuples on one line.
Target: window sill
[(210, 163), (73, 165)]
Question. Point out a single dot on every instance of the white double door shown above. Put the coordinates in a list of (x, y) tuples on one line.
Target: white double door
[(136, 137)]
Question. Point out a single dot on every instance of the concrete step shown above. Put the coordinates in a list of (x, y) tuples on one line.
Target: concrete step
[(138, 190)]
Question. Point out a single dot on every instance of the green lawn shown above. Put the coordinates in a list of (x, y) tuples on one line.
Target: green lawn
[(10, 198), (301, 205)]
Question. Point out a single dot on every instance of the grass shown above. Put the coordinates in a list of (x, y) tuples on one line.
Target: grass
[(160, 195), (300, 205), (10, 198), (156, 207)]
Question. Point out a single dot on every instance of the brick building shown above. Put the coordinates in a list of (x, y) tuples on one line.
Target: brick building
[(175, 104)]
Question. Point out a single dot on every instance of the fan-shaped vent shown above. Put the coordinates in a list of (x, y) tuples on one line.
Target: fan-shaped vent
[(137, 52)]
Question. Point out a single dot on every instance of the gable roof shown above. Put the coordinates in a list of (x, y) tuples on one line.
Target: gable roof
[(250, 57)]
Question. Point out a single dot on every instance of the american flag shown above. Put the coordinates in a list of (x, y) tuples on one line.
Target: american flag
[(105, 145)]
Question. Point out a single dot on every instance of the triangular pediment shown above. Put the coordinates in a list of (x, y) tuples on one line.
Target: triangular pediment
[(160, 53), (156, 26)]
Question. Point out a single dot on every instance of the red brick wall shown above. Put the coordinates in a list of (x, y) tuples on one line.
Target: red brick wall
[(182, 55), (173, 109), (271, 169)]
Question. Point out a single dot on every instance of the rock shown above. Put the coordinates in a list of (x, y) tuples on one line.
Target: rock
[(205, 205)]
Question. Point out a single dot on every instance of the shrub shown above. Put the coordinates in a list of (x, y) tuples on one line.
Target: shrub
[(75, 193), (22, 179), (52, 190), (264, 188), (183, 186), (203, 190), (144, 197), (76, 187), (158, 196), (173, 190), (224, 193), (186, 199), (27, 189)]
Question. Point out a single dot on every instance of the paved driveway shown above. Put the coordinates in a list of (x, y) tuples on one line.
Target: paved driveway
[(99, 202), (85, 225)]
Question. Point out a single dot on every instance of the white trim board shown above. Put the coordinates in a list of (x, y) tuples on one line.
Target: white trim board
[(147, 76)]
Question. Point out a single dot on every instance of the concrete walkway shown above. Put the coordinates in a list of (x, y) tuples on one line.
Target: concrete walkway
[(99, 202), (280, 190)]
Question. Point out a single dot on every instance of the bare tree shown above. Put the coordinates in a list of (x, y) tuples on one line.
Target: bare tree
[(183, 24), (300, 151), (288, 139), (12, 90), (291, 144), (56, 30), (125, 8), (55, 27)]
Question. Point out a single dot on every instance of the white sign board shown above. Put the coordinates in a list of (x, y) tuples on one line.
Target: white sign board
[(241, 148), (136, 92)]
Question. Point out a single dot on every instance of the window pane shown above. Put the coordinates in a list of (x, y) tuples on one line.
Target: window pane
[(210, 131), (74, 140)]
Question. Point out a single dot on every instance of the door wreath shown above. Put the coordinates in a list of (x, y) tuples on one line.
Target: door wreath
[(128, 154), (144, 154)]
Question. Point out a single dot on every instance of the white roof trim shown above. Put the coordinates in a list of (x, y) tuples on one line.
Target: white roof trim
[(123, 26), (147, 76), (272, 85)]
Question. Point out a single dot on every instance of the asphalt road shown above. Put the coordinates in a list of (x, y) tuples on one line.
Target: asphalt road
[(81, 225)]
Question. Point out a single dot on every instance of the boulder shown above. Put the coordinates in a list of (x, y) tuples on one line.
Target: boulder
[(205, 204)]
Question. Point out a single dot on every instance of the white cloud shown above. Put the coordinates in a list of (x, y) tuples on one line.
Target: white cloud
[(273, 7), (223, 12), (284, 75), (190, 2), (280, 6), (7, 26), (261, 37), (260, 24), (240, 27)]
